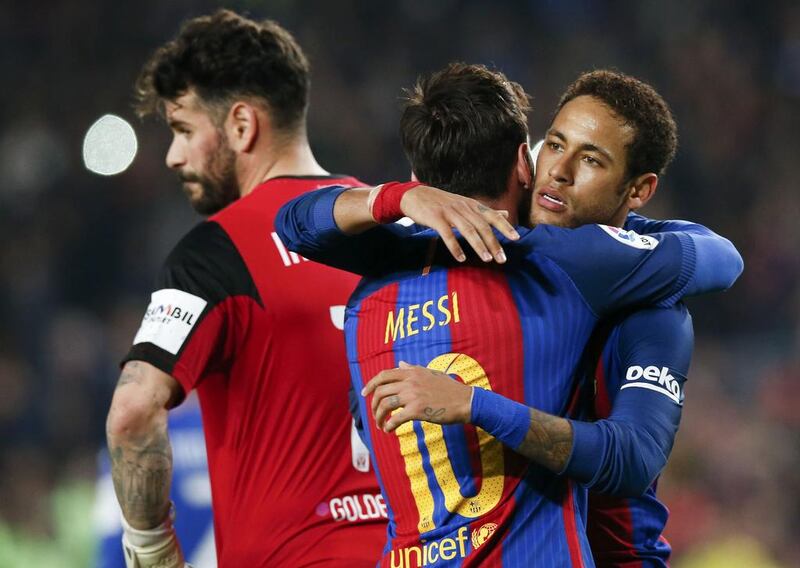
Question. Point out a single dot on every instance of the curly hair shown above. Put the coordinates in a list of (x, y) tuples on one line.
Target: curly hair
[(638, 104), (461, 128), (223, 56)]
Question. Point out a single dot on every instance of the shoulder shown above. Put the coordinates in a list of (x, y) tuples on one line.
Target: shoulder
[(206, 237), (207, 262), (592, 247), (585, 240)]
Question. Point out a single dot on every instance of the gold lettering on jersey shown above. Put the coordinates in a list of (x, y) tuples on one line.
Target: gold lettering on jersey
[(431, 552), (426, 313), (394, 325), (410, 320)]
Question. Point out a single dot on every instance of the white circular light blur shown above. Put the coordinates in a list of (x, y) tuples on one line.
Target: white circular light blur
[(109, 146)]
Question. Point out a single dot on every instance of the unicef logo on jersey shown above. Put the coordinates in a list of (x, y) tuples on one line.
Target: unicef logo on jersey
[(655, 379), (482, 534)]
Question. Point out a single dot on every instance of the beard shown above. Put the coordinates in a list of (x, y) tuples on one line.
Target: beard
[(218, 185)]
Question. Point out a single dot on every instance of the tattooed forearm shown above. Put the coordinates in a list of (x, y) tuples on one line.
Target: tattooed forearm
[(142, 471), (548, 441), (138, 444)]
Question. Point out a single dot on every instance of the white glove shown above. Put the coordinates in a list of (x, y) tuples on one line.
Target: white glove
[(153, 548)]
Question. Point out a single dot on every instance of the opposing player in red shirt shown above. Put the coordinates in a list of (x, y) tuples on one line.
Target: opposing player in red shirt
[(242, 320)]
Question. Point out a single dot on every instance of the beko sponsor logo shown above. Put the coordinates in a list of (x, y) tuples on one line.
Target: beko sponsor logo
[(656, 379)]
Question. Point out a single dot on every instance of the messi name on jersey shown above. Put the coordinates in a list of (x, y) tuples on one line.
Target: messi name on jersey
[(410, 320)]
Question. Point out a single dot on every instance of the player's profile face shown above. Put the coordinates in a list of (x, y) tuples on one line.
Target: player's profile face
[(581, 168), (200, 156)]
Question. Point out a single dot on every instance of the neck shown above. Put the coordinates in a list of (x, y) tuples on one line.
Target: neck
[(505, 203), (618, 219), (292, 158)]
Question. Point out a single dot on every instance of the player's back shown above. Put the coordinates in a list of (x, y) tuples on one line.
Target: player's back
[(263, 345), (456, 496), (284, 444)]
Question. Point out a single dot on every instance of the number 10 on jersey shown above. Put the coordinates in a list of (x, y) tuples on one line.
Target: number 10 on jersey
[(491, 455)]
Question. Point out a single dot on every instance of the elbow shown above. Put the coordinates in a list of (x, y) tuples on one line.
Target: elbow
[(738, 266), (133, 415), (633, 481), (717, 266), (289, 229), (281, 220), (636, 485), (735, 265), (633, 464)]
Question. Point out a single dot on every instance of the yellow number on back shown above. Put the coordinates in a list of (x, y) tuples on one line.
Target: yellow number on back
[(491, 455)]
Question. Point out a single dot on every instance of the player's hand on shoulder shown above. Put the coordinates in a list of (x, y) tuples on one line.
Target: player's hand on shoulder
[(443, 211), (411, 392)]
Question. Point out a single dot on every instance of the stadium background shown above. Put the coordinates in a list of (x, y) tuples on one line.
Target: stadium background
[(79, 251)]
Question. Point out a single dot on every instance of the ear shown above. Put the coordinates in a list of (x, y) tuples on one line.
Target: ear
[(524, 165), (641, 190), (242, 126)]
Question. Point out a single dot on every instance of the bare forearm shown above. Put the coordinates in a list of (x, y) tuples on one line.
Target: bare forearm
[(351, 211), (548, 441)]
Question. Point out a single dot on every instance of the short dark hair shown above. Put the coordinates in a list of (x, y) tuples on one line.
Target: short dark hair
[(461, 128), (638, 104), (225, 55)]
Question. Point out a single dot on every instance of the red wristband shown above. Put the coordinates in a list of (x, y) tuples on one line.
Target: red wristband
[(386, 205)]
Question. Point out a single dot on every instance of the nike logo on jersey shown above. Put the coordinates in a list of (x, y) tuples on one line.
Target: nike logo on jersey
[(655, 379)]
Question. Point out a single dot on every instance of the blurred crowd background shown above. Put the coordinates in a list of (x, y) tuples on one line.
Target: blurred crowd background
[(79, 251)]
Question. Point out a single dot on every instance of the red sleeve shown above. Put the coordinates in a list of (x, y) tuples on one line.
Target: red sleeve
[(191, 324)]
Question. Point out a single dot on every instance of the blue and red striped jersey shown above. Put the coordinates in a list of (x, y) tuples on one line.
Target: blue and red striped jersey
[(650, 349), (639, 382), (456, 496)]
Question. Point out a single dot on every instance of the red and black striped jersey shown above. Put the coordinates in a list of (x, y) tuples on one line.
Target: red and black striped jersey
[(257, 330)]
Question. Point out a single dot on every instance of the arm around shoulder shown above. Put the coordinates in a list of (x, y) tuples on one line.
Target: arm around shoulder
[(718, 263)]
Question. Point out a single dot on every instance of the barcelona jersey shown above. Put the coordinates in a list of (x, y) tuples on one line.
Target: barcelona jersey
[(455, 496), (639, 381), (637, 369)]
